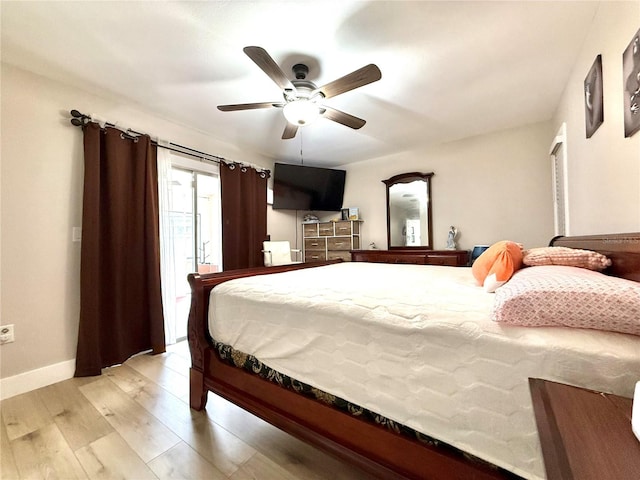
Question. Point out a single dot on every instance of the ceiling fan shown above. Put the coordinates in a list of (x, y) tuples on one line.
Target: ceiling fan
[(303, 101)]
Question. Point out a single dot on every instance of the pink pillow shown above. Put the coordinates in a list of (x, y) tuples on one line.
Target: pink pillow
[(572, 257), (569, 297), (495, 266)]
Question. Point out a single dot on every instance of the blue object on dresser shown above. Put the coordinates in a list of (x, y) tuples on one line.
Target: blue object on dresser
[(477, 251)]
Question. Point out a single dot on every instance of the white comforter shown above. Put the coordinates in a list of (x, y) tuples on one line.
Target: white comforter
[(415, 343)]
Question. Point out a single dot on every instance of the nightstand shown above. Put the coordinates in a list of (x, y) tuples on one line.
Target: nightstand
[(584, 434)]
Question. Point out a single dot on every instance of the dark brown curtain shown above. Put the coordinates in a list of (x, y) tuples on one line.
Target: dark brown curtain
[(244, 215), (120, 299)]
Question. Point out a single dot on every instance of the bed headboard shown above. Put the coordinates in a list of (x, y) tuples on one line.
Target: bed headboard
[(622, 248)]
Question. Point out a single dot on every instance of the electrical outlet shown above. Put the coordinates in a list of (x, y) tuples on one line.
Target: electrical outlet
[(6, 334)]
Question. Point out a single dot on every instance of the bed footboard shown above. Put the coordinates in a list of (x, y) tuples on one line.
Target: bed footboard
[(200, 343)]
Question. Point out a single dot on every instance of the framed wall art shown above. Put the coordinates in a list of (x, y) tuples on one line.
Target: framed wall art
[(593, 98), (631, 78)]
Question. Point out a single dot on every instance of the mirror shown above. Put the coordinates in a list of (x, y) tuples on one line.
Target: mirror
[(409, 211)]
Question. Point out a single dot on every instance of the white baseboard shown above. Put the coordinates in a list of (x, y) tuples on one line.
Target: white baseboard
[(38, 378)]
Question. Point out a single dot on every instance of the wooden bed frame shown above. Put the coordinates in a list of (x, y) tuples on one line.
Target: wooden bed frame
[(372, 447)]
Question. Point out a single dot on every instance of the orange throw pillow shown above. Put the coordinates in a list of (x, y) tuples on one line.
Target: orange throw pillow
[(497, 264)]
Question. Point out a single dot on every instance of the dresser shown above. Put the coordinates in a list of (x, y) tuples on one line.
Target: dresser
[(452, 258), (330, 240)]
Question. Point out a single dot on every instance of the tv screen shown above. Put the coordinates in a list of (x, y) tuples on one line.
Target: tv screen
[(296, 187)]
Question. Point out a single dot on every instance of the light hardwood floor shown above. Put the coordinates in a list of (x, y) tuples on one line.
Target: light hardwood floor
[(134, 422)]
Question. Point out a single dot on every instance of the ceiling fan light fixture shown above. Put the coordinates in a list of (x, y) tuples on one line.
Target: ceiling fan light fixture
[(301, 112)]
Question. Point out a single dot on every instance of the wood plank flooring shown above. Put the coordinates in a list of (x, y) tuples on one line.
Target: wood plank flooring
[(134, 422)]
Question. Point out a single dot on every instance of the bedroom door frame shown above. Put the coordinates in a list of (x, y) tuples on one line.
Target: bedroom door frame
[(559, 169)]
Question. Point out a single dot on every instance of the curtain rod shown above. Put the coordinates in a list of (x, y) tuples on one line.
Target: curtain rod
[(80, 120)]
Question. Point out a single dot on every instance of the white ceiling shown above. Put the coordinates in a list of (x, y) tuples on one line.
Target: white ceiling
[(449, 69)]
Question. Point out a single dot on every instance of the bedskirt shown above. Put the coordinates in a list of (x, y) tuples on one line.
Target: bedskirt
[(238, 359)]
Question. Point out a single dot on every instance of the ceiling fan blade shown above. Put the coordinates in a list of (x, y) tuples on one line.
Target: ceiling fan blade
[(261, 58), (249, 106), (290, 131), (343, 118), (363, 76)]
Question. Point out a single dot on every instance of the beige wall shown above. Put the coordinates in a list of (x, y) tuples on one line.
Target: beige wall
[(492, 187), (603, 171), (498, 186), (41, 200), (284, 225)]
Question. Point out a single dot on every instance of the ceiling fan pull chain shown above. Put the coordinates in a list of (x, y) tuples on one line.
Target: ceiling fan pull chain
[(301, 157)]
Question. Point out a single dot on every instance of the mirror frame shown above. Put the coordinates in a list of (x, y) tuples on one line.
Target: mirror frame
[(408, 178)]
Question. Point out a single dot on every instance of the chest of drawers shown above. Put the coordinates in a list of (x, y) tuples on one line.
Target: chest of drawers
[(330, 240)]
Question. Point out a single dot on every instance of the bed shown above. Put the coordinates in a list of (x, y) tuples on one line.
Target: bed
[(473, 419)]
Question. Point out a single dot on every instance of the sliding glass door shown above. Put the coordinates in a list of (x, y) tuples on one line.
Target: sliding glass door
[(195, 228)]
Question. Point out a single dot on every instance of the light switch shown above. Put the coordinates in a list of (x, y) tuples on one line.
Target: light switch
[(76, 234)]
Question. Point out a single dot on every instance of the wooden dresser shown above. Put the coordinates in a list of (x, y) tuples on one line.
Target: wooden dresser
[(452, 258), (330, 240)]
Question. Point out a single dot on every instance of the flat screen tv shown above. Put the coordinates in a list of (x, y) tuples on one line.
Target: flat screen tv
[(297, 187)]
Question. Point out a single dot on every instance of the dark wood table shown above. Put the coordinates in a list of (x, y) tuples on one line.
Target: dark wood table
[(584, 434)]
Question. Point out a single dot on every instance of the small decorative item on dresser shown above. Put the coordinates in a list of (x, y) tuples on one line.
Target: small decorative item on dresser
[(477, 251), (344, 214), (451, 238), (354, 214)]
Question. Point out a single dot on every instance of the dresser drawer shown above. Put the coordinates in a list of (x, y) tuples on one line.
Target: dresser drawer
[(315, 256), (410, 259), (325, 229), (457, 259), (339, 243), (315, 244), (450, 258), (346, 228), (377, 256), (310, 230), (344, 255)]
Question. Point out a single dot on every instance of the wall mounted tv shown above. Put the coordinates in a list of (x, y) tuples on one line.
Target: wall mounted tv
[(297, 187)]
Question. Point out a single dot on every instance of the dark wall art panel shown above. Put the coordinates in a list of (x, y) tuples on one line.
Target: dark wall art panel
[(593, 98), (631, 78)]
